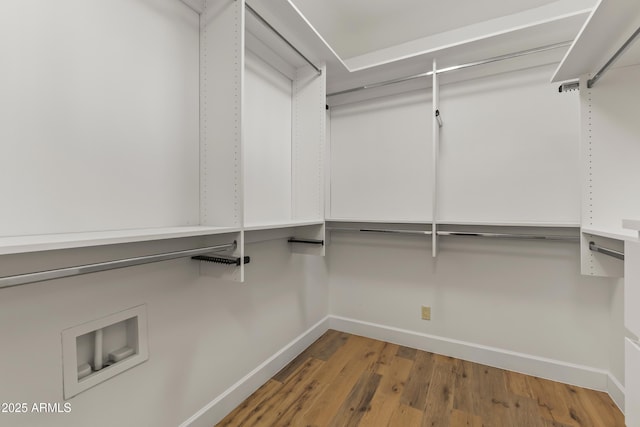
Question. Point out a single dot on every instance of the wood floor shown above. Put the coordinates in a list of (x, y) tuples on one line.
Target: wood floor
[(346, 380)]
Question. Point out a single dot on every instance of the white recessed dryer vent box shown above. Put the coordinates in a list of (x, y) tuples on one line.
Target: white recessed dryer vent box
[(100, 349)]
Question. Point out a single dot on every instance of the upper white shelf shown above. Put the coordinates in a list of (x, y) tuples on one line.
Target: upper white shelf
[(512, 224), (377, 221), (469, 223), (47, 242), (284, 224), (610, 24), (632, 224), (611, 234)]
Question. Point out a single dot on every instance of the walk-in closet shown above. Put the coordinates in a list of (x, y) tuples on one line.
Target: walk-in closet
[(330, 213)]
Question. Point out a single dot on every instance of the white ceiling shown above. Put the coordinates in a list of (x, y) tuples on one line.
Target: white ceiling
[(356, 27), (364, 42)]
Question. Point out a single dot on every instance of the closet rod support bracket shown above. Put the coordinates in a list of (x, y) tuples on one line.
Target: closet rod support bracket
[(606, 251), (306, 241), (223, 259)]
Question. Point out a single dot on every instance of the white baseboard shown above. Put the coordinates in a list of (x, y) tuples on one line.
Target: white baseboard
[(616, 391), (556, 370), (219, 407)]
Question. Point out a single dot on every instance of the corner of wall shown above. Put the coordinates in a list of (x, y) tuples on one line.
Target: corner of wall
[(615, 383), (219, 407)]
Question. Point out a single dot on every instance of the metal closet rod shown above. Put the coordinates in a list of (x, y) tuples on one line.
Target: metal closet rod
[(509, 236), (277, 33), (456, 67), (606, 251), (613, 59), (381, 230), (464, 234), (58, 273)]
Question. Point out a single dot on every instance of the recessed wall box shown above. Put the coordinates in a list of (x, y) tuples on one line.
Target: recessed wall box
[(100, 349)]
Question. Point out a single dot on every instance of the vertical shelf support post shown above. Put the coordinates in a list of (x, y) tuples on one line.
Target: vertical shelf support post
[(436, 146)]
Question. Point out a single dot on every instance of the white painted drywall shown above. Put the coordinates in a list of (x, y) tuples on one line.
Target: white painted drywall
[(308, 151), (267, 139), (204, 334), (509, 150), (509, 153), (527, 297), (99, 112), (381, 158)]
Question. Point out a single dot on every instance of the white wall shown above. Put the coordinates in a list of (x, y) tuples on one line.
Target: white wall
[(526, 297), (381, 158), (509, 153), (267, 139), (101, 101), (509, 150), (204, 334), (99, 112)]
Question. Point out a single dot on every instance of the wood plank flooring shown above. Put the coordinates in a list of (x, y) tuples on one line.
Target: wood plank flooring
[(346, 380)]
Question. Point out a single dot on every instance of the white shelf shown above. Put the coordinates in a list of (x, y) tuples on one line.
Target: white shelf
[(611, 234), (277, 225), (632, 224), (512, 224), (378, 221), (46, 242), (608, 27), (470, 223)]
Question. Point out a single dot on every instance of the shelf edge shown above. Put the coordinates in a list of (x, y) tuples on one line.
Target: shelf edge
[(46, 242)]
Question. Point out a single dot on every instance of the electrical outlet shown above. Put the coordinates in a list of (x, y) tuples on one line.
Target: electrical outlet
[(426, 313)]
